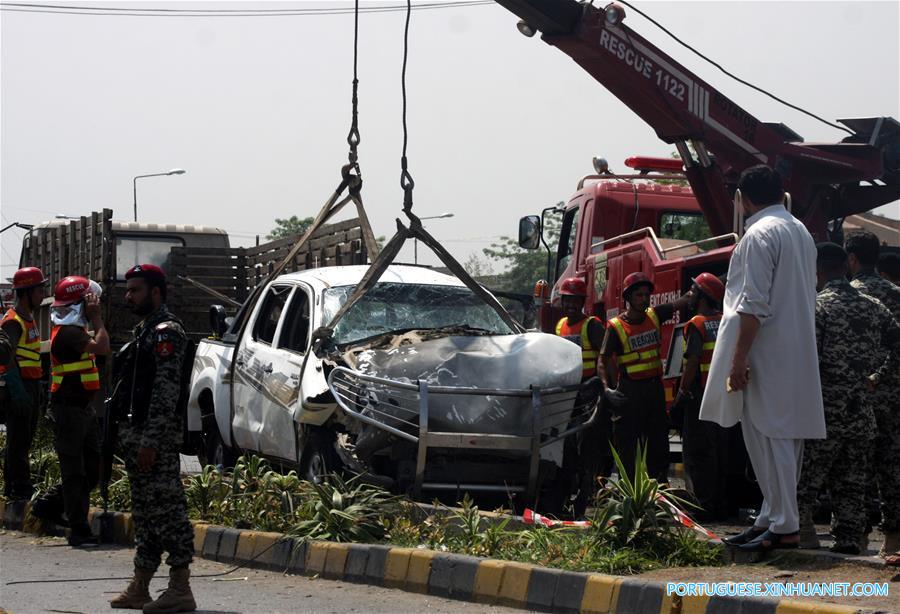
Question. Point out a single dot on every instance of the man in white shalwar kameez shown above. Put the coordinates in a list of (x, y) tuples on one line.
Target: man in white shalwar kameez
[(766, 352)]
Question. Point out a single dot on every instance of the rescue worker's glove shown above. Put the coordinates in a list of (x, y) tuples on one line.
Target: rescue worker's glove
[(676, 410), (614, 397)]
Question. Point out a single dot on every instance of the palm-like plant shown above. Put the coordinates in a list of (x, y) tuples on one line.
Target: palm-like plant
[(632, 509), (345, 511)]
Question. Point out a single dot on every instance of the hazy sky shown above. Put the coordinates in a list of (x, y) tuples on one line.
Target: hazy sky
[(256, 109)]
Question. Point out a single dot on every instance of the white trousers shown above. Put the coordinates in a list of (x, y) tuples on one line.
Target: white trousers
[(776, 463)]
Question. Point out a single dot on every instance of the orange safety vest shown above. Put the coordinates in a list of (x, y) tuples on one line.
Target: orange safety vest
[(85, 366), (640, 346), (578, 334), (28, 349), (708, 327)]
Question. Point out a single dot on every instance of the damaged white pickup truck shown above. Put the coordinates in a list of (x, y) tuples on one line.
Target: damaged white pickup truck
[(424, 388)]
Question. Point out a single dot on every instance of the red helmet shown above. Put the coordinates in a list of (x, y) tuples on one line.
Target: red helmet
[(711, 286), (573, 286), (634, 280), (28, 277), (70, 290)]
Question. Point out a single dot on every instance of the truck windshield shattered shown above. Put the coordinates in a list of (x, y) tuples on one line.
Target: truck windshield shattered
[(391, 307)]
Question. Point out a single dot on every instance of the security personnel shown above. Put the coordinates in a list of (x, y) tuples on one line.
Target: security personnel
[(23, 381), (151, 438), (639, 402), (587, 333), (74, 381), (857, 337), (862, 256), (704, 442)]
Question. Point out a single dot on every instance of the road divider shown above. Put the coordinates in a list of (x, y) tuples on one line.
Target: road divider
[(442, 574)]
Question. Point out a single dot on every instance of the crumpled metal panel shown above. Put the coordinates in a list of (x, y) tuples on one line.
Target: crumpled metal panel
[(503, 362)]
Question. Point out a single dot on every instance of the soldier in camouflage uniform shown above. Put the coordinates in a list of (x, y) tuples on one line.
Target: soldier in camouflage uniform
[(151, 439), (857, 338), (884, 474)]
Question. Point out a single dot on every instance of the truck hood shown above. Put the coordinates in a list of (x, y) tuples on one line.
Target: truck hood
[(496, 362)]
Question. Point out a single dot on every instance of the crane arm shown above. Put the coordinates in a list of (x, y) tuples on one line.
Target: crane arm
[(824, 179)]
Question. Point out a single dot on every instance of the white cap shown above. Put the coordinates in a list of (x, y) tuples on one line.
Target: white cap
[(95, 289)]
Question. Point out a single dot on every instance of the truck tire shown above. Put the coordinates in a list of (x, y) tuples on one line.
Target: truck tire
[(319, 458)]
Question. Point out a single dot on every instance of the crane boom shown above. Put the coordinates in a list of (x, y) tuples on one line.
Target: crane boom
[(827, 181)]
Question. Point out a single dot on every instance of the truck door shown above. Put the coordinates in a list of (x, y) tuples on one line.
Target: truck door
[(262, 385)]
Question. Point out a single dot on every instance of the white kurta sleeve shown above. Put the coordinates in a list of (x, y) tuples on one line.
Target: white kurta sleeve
[(755, 293)]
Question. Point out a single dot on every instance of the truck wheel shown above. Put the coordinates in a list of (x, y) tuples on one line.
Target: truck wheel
[(319, 458), (214, 451)]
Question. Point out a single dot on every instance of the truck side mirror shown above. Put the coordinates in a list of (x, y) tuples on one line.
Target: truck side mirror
[(217, 321), (530, 232)]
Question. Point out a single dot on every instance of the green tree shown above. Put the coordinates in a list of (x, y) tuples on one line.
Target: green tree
[(289, 227), (478, 266), (523, 267)]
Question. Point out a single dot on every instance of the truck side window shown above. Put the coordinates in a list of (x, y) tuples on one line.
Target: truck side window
[(567, 239), (270, 313), (138, 249), (295, 331), (683, 226)]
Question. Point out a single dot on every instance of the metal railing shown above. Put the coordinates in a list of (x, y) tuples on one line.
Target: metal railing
[(648, 231), (628, 235), (730, 235), (403, 409)]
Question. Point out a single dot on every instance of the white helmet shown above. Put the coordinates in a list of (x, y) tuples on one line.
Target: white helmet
[(95, 289)]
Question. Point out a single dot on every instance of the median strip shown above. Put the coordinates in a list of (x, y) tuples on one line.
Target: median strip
[(453, 576)]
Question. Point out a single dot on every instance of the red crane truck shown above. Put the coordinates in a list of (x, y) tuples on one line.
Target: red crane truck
[(615, 225)]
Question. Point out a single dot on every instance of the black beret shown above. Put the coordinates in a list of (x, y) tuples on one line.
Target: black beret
[(831, 253)]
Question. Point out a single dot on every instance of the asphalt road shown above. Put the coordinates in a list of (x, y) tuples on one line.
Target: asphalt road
[(25, 557)]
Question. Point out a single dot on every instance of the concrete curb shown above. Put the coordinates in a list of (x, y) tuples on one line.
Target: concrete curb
[(455, 576)]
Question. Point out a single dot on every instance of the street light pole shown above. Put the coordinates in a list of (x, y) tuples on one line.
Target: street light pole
[(174, 171), (416, 241)]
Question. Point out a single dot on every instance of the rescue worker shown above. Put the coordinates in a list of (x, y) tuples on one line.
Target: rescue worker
[(638, 403), (704, 443), (593, 444), (857, 340), (23, 381), (862, 255), (50, 506), (74, 383), (151, 438)]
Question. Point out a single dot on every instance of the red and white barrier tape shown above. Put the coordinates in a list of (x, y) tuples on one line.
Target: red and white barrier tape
[(533, 518)]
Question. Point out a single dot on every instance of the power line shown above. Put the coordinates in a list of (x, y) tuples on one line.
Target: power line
[(63, 9), (735, 77)]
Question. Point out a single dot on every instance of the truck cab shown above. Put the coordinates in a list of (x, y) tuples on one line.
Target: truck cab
[(614, 225)]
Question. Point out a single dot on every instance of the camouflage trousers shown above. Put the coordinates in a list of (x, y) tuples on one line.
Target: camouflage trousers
[(158, 507), (884, 468), (838, 464)]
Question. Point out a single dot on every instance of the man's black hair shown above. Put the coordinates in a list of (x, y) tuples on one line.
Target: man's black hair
[(831, 259), (762, 185), (864, 245), (889, 264)]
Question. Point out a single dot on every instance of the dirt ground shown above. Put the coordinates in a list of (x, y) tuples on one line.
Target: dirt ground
[(785, 570)]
